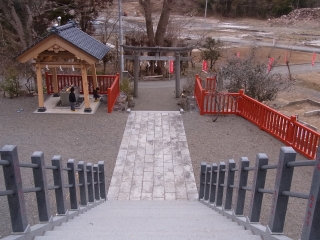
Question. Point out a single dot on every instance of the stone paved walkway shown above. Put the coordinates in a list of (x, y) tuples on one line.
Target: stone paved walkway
[(153, 162)]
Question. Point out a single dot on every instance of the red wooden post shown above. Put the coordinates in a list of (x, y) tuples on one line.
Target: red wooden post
[(261, 116), (197, 76), (291, 127), (118, 79), (240, 102), (203, 93), (109, 100), (113, 93)]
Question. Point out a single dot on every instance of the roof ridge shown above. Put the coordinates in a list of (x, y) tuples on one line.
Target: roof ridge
[(57, 29)]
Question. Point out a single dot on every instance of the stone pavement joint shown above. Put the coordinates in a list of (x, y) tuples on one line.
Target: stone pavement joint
[(153, 162)]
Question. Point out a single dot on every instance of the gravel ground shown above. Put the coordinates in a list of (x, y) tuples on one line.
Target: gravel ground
[(90, 138), (97, 137)]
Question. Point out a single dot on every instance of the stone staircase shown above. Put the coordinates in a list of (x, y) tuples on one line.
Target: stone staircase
[(150, 220)]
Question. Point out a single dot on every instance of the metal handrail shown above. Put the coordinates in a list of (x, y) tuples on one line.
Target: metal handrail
[(247, 188), (53, 187), (6, 192), (301, 163), (4, 162), (262, 190), (274, 166), (28, 165), (51, 167), (249, 168), (295, 194), (34, 189)]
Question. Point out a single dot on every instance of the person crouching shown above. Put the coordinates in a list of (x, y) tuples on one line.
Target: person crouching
[(96, 94)]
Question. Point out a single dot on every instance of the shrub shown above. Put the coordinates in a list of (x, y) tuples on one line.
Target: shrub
[(11, 83)]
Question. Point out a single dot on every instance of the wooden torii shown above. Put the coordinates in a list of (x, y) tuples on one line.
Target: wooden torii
[(157, 57)]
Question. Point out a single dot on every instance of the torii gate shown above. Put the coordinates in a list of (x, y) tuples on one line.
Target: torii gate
[(157, 50)]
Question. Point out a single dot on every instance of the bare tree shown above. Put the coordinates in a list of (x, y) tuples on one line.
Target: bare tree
[(147, 8), (19, 16), (107, 27), (157, 39)]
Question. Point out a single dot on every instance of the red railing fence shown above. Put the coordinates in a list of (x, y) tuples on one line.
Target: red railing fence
[(104, 82), (286, 129), (108, 84)]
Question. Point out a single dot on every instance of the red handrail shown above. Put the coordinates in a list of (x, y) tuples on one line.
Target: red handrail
[(222, 103), (284, 128), (199, 94), (211, 84), (113, 93)]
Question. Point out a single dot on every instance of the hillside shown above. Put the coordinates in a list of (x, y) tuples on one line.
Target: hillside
[(303, 17)]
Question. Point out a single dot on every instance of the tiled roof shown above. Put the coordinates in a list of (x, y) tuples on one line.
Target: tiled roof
[(77, 37), (72, 34)]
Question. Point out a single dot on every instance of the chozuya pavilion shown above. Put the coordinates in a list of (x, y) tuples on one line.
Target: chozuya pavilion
[(65, 46)]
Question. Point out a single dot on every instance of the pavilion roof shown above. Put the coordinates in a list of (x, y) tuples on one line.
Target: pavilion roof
[(76, 37)]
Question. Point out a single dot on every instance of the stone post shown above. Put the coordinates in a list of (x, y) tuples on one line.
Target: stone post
[(177, 73), (136, 74)]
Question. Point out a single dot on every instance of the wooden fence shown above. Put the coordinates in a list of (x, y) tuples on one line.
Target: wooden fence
[(287, 129)]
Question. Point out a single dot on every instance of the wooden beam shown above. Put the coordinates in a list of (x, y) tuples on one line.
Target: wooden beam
[(63, 65), (157, 49), (60, 63), (59, 54), (155, 58)]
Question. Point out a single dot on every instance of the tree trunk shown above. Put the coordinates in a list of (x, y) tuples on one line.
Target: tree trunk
[(21, 22), (146, 4), (163, 22)]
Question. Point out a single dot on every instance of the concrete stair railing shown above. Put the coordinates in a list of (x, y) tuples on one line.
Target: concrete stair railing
[(85, 184), (219, 180)]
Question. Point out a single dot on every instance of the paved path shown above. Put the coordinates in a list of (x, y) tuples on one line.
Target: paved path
[(153, 162)]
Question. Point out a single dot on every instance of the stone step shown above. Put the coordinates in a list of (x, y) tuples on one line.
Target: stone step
[(150, 220), (124, 235), (60, 231)]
